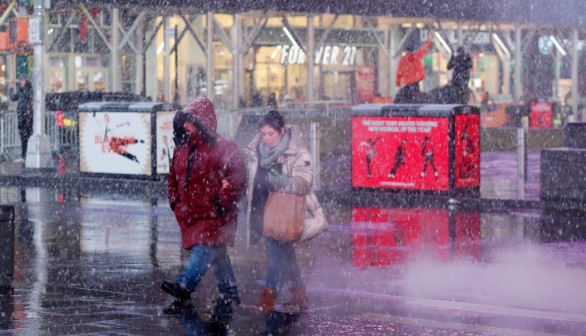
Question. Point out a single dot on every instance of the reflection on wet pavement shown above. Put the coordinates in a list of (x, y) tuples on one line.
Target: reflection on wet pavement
[(92, 264)]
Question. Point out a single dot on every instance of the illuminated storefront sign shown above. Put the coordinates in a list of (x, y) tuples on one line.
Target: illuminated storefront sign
[(325, 55)]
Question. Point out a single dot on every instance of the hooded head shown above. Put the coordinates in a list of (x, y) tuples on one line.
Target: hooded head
[(201, 113), (203, 110)]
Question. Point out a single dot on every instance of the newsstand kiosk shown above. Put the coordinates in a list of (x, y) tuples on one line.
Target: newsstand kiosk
[(126, 138), (425, 148)]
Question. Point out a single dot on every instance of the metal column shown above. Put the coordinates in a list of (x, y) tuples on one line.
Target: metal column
[(39, 145), (393, 60), (210, 56), (310, 61), (506, 89), (237, 74), (139, 60), (115, 53), (574, 75), (460, 34), (518, 65), (167, 34), (556, 86)]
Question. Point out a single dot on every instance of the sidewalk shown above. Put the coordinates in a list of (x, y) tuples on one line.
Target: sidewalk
[(499, 185)]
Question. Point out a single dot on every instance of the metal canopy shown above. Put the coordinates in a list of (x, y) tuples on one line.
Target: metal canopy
[(556, 12)]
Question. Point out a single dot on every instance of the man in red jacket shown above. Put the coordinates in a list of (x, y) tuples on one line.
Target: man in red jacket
[(207, 177)]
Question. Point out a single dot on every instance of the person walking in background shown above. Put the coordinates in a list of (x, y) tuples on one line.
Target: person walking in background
[(410, 72), (277, 161), (24, 111), (206, 179)]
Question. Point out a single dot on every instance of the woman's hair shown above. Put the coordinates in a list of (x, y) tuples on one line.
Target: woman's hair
[(273, 119)]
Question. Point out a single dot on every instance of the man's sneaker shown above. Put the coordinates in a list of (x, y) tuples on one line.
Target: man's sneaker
[(178, 306), (222, 310), (175, 290), (19, 160)]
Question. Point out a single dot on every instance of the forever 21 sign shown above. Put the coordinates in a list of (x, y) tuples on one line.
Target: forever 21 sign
[(325, 55)]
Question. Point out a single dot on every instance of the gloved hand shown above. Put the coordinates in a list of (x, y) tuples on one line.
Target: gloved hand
[(220, 210), (172, 206), (278, 180)]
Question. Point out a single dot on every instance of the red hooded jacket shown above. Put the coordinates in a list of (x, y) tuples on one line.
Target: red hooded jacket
[(206, 212)]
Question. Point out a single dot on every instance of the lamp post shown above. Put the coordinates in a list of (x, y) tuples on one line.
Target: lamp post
[(38, 153)]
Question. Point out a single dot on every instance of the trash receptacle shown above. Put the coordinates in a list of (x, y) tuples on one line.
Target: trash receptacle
[(6, 246), (126, 138), (416, 147)]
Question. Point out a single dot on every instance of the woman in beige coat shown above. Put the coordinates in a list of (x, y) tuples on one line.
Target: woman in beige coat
[(277, 161)]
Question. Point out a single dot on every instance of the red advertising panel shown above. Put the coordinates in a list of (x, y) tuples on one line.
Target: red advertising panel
[(541, 115), (383, 237), (365, 83), (467, 151), (400, 153)]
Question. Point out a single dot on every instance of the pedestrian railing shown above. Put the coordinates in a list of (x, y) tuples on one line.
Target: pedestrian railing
[(64, 139)]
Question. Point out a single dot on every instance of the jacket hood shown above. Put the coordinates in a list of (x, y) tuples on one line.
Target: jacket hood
[(203, 110)]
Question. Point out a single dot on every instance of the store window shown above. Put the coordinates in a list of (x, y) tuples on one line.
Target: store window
[(90, 73), (57, 70)]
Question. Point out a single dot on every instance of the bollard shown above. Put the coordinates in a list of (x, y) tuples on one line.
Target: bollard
[(314, 144), (6, 246), (522, 149)]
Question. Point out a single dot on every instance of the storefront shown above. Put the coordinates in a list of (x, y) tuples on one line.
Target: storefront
[(277, 67)]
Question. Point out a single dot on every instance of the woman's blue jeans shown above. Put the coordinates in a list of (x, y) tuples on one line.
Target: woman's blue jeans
[(201, 259), (282, 265)]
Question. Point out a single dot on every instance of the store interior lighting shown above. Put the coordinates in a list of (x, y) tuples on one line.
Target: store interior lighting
[(160, 48), (501, 44), (557, 45), (288, 33), (443, 43)]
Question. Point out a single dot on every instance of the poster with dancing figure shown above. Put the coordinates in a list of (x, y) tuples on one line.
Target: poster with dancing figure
[(115, 143), (165, 143), (400, 152), (467, 151)]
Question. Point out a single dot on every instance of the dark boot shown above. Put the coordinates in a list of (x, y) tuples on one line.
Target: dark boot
[(175, 290), (179, 306), (222, 310), (267, 301)]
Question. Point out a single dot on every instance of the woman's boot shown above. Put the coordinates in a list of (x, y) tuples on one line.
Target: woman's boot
[(267, 301)]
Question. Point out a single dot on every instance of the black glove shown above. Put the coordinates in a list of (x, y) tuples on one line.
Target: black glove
[(220, 210), (172, 206)]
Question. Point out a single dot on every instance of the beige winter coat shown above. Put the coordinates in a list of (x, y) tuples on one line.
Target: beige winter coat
[(297, 166)]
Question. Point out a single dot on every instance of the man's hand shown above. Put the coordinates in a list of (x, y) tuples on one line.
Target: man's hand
[(278, 180)]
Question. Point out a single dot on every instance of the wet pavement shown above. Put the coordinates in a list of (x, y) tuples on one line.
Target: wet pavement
[(89, 262)]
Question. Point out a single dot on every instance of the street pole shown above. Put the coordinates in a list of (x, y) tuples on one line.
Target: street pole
[(38, 153)]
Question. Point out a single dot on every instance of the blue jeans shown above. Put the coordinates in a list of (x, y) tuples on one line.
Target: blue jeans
[(201, 259), (281, 265)]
